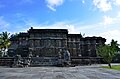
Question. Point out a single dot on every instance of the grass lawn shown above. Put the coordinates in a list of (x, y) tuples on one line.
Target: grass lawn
[(115, 67)]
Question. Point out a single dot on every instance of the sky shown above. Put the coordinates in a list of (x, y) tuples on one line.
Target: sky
[(92, 17)]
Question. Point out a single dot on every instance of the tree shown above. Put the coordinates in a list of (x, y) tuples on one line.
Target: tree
[(1, 45), (116, 58), (115, 45), (4, 42), (107, 52)]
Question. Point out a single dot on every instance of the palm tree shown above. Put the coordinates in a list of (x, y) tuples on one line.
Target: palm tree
[(4, 42), (1, 46)]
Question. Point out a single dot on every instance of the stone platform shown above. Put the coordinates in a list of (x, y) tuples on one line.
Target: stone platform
[(78, 72)]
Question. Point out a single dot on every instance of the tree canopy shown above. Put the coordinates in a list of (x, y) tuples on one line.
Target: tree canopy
[(107, 52), (4, 42)]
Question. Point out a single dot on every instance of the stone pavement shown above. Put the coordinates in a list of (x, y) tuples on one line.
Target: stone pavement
[(78, 72)]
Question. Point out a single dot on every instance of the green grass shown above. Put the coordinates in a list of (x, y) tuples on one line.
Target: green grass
[(115, 67)]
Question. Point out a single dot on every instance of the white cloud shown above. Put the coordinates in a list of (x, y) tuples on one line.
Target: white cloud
[(118, 14), (111, 34), (106, 5), (51, 4), (58, 25), (52, 8), (103, 5), (117, 2), (3, 23), (108, 20)]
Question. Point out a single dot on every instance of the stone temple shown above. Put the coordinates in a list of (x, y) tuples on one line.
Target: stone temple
[(43, 46)]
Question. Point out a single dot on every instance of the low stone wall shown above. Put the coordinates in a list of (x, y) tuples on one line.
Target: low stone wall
[(51, 61), (6, 61), (85, 61), (44, 61)]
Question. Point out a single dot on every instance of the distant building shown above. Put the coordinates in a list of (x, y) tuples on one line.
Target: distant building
[(48, 42)]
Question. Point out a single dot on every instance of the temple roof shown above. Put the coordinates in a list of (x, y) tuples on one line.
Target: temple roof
[(47, 30), (75, 35), (94, 38), (23, 35)]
